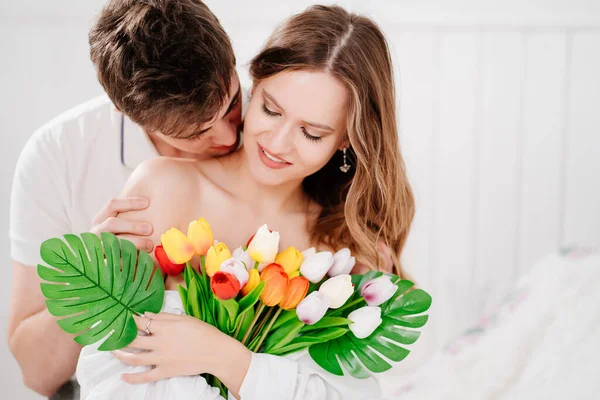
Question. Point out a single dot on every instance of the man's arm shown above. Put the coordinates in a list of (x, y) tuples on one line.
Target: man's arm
[(46, 354), (39, 210)]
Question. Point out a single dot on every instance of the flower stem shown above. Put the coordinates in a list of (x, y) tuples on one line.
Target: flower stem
[(353, 303), (261, 324), (202, 272), (238, 328), (260, 309), (264, 334), (256, 264)]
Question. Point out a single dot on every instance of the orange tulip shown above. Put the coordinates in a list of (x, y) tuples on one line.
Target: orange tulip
[(295, 293), (224, 285), (276, 282)]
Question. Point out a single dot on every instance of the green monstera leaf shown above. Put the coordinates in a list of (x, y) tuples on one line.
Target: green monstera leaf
[(98, 286), (401, 316)]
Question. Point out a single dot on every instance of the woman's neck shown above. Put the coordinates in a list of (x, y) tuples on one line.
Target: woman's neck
[(288, 197)]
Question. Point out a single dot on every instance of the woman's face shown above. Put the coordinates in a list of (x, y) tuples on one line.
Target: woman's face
[(295, 123)]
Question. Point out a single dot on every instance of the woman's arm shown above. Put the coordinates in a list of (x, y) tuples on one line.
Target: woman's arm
[(175, 350)]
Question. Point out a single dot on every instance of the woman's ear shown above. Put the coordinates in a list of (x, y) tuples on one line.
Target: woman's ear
[(345, 143)]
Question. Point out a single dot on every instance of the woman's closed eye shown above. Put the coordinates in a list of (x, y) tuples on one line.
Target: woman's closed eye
[(269, 112), (307, 135)]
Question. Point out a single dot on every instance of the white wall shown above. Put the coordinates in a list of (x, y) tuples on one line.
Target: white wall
[(499, 117)]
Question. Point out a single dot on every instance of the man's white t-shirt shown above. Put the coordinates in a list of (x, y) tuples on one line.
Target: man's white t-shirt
[(68, 170)]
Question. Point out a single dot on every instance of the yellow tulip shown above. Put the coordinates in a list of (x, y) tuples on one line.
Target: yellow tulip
[(253, 281), (215, 257), (178, 247), (201, 236), (290, 259), (294, 274)]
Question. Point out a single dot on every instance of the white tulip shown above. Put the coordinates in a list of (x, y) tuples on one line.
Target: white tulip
[(379, 290), (243, 256), (236, 268), (338, 289), (306, 254), (315, 267), (264, 246), (342, 263), (312, 308), (366, 319)]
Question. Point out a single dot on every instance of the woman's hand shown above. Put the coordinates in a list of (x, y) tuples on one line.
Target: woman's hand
[(182, 345)]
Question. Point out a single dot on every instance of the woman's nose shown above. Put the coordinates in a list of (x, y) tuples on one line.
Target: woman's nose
[(280, 140)]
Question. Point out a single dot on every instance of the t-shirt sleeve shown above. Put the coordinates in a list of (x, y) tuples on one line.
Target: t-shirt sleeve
[(40, 196)]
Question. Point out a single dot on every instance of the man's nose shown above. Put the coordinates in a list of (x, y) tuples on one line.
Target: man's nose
[(225, 134)]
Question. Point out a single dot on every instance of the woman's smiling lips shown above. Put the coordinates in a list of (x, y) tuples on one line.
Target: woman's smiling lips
[(270, 160)]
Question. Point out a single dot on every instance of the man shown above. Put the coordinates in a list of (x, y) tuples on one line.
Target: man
[(168, 69)]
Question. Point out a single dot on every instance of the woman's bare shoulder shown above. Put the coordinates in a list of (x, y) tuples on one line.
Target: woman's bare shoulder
[(161, 175), (169, 184)]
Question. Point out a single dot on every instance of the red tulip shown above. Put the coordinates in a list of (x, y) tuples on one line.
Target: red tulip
[(167, 265), (224, 285)]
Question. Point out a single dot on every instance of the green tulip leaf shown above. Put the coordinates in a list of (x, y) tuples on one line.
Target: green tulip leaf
[(401, 316), (283, 335), (247, 302), (98, 286), (285, 316)]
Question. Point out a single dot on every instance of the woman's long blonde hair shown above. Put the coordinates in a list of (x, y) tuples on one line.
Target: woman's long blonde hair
[(372, 202)]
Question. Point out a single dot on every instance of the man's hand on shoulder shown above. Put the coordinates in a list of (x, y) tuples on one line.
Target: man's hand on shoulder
[(138, 232)]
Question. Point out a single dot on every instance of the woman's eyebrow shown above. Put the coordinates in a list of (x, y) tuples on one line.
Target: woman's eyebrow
[(313, 124), (271, 99)]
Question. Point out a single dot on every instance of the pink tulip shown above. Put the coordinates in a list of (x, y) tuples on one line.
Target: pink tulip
[(379, 290), (312, 308), (236, 268)]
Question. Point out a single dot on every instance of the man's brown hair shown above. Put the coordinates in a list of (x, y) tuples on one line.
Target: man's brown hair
[(166, 64)]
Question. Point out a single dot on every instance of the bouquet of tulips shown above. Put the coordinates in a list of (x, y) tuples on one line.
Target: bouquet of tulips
[(273, 302)]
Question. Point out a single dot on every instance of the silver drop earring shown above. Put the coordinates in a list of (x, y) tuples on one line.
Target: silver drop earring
[(345, 167)]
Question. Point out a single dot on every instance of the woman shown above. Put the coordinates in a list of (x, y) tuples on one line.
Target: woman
[(320, 165)]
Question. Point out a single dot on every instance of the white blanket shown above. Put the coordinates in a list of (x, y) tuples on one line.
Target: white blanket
[(542, 343)]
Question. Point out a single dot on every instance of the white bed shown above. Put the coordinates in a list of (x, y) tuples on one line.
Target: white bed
[(542, 342)]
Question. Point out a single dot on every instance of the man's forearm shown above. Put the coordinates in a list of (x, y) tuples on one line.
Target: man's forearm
[(46, 354)]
